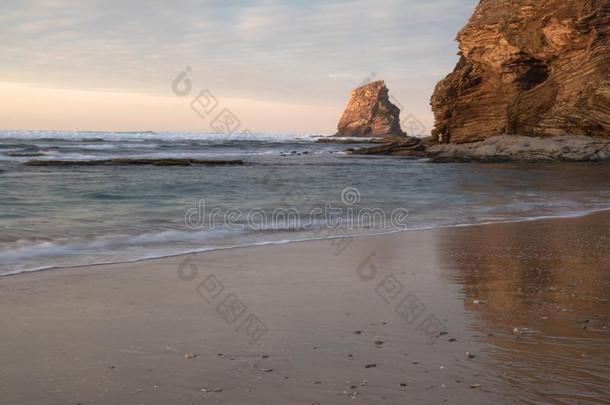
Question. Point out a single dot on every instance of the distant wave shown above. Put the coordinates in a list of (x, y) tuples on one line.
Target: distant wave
[(84, 136)]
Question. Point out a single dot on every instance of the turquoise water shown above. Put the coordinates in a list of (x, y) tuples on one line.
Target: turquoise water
[(65, 216)]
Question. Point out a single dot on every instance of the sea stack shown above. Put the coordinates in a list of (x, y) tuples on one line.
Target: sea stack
[(370, 113), (528, 67)]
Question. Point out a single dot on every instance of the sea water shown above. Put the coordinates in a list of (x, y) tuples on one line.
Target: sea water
[(78, 215)]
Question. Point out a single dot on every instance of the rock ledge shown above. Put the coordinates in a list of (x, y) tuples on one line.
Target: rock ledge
[(513, 148)]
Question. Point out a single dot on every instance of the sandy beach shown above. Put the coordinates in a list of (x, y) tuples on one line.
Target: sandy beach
[(503, 313), (305, 203)]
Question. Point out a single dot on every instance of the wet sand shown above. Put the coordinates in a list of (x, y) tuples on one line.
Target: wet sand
[(500, 313)]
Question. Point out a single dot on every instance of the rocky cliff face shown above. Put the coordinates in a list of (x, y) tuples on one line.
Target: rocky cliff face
[(370, 113), (528, 67)]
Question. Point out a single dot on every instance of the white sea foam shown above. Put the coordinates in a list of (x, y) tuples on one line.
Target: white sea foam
[(27, 250), (108, 244)]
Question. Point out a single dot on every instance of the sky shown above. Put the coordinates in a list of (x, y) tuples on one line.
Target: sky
[(279, 66)]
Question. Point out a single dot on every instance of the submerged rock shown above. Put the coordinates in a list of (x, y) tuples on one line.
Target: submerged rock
[(407, 146), (528, 67), (128, 162), (25, 154), (347, 141), (370, 113)]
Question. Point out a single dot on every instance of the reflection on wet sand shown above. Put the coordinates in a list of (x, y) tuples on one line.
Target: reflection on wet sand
[(539, 294)]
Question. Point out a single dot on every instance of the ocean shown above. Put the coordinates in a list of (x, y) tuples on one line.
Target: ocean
[(288, 189)]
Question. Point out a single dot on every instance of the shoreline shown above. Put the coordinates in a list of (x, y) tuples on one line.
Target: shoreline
[(149, 332), (296, 241)]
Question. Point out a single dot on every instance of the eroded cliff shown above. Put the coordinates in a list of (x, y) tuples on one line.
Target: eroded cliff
[(528, 67)]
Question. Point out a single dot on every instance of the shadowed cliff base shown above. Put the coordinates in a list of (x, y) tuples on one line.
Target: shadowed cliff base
[(498, 149), (511, 148)]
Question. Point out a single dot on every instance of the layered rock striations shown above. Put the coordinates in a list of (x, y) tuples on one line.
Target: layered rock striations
[(528, 67), (370, 113)]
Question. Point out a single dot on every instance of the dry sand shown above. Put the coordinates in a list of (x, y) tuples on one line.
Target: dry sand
[(525, 307)]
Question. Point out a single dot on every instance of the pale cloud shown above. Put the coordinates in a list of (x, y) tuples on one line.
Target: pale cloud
[(342, 76), (259, 20), (293, 52)]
